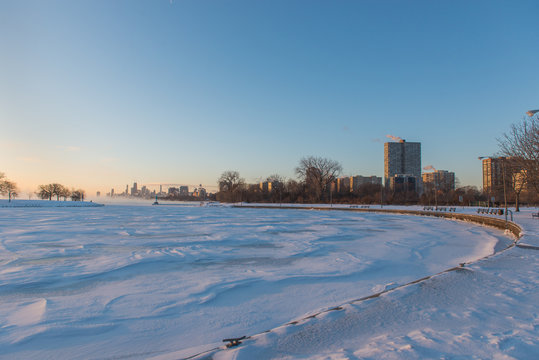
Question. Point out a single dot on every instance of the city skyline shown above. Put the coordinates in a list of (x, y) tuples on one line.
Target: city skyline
[(96, 94)]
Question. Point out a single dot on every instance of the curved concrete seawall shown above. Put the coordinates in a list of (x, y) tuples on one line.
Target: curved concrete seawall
[(501, 224)]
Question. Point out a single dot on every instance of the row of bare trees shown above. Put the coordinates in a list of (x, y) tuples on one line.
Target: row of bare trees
[(293, 191), (315, 174), (519, 149), (49, 191)]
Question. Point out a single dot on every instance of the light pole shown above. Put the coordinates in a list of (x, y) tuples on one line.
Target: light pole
[(381, 195), (436, 191), (330, 195)]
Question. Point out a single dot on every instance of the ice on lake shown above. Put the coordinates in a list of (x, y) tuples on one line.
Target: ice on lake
[(144, 280)]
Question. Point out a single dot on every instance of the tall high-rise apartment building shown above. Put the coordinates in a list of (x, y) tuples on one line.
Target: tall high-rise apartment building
[(402, 158)]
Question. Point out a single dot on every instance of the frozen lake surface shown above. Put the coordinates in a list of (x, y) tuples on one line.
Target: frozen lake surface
[(140, 281)]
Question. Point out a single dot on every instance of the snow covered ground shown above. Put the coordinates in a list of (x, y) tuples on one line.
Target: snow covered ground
[(487, 310), (168, 282)]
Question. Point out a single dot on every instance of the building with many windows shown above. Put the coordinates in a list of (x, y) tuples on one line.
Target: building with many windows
[(348, 184), (403, 183), (358, 180), (492, 175), (404, 159), (439, 180)]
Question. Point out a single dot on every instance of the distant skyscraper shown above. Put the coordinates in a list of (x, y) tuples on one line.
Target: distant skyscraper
[(144, 191), (134, 189), (402, 158)]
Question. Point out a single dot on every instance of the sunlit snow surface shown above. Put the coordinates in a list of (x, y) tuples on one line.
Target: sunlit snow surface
[(140, 281)]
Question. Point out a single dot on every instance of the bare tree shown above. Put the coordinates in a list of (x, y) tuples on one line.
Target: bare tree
[(63, 191), (45, 191), (521, 145), (293, 191), (318, 173), (60, 191), (277, 187), (275, 178), (518, 178), (8, 187), (230, 185), (230, 181)]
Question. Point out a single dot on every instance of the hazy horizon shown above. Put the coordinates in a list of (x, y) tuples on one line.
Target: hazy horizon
[(98, 94)]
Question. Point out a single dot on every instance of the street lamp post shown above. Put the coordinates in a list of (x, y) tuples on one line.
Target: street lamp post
[(436, 192), (381, 196), (330, 196)]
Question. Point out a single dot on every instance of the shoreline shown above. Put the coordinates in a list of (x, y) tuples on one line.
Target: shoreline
[(47, 204)]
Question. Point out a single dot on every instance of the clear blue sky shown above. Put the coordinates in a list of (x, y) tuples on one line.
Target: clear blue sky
[(98, 94)]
